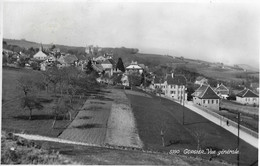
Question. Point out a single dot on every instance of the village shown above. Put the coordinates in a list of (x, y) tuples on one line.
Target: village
[(171, 85), (215, 103), (113, 83)]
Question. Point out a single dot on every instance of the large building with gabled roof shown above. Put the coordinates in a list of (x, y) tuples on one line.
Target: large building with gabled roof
[(175, 87), (205, 96), (222, 91), (247, 97)]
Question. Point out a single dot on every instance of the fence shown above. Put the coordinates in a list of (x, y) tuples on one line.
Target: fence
[(223, 121)]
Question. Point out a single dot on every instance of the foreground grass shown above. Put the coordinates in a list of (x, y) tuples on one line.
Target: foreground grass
[(152, 113), (106, 156)]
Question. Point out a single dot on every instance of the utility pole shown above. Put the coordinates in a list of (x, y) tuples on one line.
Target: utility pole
[(238, 126), (185, 85)]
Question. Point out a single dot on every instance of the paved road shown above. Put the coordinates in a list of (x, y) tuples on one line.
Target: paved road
[(233, 129)]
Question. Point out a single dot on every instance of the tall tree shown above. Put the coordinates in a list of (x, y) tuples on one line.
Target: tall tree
[(31, 103), (89, 67), (120, 65)]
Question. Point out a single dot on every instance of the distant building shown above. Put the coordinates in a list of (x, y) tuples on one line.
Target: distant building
[(134, 67), (40, 55), (67, 60), (175, 87), (205, 96), (255, 87), (201, 80), (158, 83), (125, 80), (247, 97), (100, 59), (222, 91), (108, 65)]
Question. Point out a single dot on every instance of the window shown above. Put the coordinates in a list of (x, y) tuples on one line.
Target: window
[(174, 86), (216, 101), (203, 101), (171, 92), (212, 101), (208, 101)]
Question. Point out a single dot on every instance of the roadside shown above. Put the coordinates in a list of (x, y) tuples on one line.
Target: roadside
[(178, 136), (231, 127)]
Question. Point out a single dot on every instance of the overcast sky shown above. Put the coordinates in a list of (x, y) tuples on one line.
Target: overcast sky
[(217, 32)]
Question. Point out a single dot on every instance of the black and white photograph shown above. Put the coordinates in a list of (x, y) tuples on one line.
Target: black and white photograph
[(149, 82)]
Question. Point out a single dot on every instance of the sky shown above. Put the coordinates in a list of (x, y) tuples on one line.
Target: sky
[(211, 31)]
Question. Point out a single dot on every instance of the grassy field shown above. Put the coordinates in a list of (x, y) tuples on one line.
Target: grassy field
[(249, 114), (151, 113), (90, 124), (16, 119)]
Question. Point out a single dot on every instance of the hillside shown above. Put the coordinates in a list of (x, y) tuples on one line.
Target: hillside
[(28, 44), (247, 67), (218, 71)]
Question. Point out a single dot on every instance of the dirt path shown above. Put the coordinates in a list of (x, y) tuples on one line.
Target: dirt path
[(122, 129)]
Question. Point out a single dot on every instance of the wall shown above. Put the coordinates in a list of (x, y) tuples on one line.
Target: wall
[(176, 92), (207, 103), (248, 100)]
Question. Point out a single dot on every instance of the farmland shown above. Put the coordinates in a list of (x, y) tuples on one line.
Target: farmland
[(177, 136), (15, 119), (249, 114), (90, 125)]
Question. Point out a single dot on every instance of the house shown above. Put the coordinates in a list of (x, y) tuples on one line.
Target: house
[(40, 55), (82, 61), (108, 66), (67, 60), (201, 80), (43, 66), (158, 84), (98, 68), (125, 80), (100, 58), (247, 97), (205, 96), (175, 87), (222, 91), (134, 67), (51, 58), (255, 87)]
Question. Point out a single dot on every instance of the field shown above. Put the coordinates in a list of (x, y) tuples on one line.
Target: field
[(90, 125), (249, 114), (15, 119), (177, 136)]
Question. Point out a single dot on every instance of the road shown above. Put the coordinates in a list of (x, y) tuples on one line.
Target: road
[(222, 122)]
